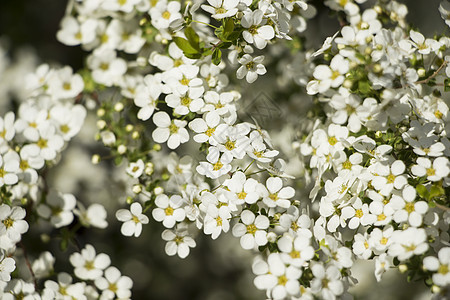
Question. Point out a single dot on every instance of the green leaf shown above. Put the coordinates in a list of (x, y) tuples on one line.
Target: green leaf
[(184, 45), (224, 45), (422, 191), (192, 38), (436, 191), (216, 56), (447, 85), (219, 32), (228, 27), (234, 35), (364, 87)]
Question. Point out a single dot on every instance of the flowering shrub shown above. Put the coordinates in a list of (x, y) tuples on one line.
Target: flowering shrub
[(363, 176)]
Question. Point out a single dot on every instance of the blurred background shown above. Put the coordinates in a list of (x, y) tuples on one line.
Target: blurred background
[(214, 270)]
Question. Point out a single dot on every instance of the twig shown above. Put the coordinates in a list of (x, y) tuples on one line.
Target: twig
[(28, 264), (442, 207), (424, 81)]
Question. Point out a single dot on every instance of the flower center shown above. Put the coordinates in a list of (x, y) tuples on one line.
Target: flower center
[(173, 128), (219, 221), (409, 207), (251, 229), (443, 269), (383, 241), (242, 195), (230, 145), (347, 165), (390, 178), (282, 280), (431, 172), (112, 287), (438, 114), (274, 197), (220, 10), (8, 222), (359, 213), (166, 15), (381, 217), (332, 140), (217, 166), (169, 211), (185, 101), (42, 143), (89, 265), (67, 86), (210, 131), (250, 65), (295, 254)]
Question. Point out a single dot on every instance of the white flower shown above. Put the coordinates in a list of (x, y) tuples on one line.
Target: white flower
[(276, 194), (125, 6), (387, 177), (217, 164), (107, 68), (382, 264), (49, 142), (242, 190), (87, 264), (220, 9), (380, 240), (68, 119), (424, 46), (185, 102), (409, 242), (94, 216), (43, 266), (440, 265), (7, 265), (74, 33), (217, 219), (407, 209), (63, 84), (9, 168), (135, 169), (327, 282), (12, 225), (165, 12), (58, 207), (114, 284), (178, 242), (251, 68), (434, 172), (205, 128), (169, 211), (172, 131), (275, 277), (147, 96), (252, 230), (133, 220), (255, 33), (328, 76), (361, 246), (295, 250)]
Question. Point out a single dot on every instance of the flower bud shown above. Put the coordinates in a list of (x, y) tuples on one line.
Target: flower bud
[(272, 237), (403, 268), (421, 72), (158, 190), (135, 135), (118, 106), (435, 289), (157, 147), (149, 168), (129, 200), (101, 112), (137, 189), (129, 128), (101, 124), (122, 149), (95, 159)]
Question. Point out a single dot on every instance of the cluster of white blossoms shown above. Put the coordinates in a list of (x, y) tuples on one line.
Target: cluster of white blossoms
[(376, 142)]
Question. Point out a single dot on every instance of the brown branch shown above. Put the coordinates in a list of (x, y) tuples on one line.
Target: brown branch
[(442, 207), (28, 264), (425, 81)]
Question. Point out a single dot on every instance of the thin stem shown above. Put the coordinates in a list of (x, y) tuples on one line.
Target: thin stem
[(249, 166), (200, 22), (442, 207), (425, 81), (28, 264)]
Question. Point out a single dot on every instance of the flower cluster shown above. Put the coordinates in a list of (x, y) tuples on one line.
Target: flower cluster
[(373, 148)]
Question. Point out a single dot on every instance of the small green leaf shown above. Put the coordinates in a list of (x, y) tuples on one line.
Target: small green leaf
[(216, 56), (224, 45), (192, 38), (436, 191), (422, 191), (447, 85), (228, 27), (219, 32), (234, 35), (184, 45), (364, 87)]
